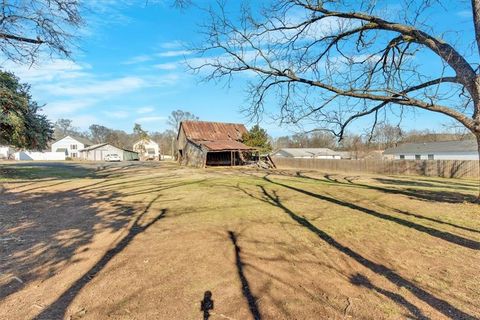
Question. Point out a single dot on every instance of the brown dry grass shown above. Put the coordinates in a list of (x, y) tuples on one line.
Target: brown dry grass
[(146, 241)]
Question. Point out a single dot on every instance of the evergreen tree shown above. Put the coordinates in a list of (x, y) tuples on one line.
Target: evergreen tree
[(258, 138), (20, 123)]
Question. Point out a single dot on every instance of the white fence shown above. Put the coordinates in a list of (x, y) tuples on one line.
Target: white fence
[(40, 156)]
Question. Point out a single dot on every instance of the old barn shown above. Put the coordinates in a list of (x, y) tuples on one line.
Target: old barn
[(202, 143)]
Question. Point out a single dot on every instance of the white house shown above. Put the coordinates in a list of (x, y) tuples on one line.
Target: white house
[(307, 153), (98, 152), (6, 152), (147, 149), (71, 146), (446, 150)]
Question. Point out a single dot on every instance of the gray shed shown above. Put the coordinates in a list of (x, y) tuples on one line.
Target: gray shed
[(99, 151)]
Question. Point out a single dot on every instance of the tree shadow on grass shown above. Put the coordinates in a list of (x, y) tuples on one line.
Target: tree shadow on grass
[(57, 309), (406, 213), (41, 232), (427, 184), (412, 193), (362, 281), (450, 237), (438, 304), (251, 299), (420, 194)]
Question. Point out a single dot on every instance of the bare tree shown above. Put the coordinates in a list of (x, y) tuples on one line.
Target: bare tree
[(31, 27), (331, 62), (178, 116)]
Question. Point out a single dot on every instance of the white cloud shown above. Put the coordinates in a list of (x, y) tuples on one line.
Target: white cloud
[(145, 110), (172, 44), (63, 107), (174, 53), (121, 85), (150, 119), (57, 69), (138, 59), (84, 121), (118, 114), (173, 49), (165, 66), (163, 80)]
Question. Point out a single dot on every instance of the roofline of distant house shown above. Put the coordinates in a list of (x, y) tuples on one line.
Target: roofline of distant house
[(96, 146), (419, 144), (79, 139)]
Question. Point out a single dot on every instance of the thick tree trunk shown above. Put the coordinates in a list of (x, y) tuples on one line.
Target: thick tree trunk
[(478, 147), (476, 20)]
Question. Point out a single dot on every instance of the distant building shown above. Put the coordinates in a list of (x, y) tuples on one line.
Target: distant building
[(98, 152), (202, 143), (447, 150), (308, 153), (71, 145), (6, 152), (147, 149), (39, 156)]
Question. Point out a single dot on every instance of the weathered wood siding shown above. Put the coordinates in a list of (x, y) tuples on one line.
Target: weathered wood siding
[(193, 156), (435, 168), (181, 140)]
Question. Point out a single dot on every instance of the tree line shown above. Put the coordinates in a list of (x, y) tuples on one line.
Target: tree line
[(97, 133), (383, 137)]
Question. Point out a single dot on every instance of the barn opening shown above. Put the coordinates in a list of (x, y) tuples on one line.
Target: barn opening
[(225, 158)]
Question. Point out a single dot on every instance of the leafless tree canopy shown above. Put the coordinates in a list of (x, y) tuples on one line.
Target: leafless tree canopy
[(331, 62), (31, 27)]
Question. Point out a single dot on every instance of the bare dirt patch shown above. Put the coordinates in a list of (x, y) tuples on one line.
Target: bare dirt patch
[(146, 241)]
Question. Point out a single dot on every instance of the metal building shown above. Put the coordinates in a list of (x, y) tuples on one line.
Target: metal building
[(98, 152)]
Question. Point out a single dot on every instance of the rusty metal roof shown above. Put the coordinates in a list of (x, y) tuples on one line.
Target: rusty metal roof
[(224, 145), (212, 131)]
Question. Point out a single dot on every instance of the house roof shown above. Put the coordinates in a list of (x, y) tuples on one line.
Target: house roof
[(96, 146), (211, 131), (61, 149), (79, 139), (224, 145), (444, 146), (145, 141), (307, 152)]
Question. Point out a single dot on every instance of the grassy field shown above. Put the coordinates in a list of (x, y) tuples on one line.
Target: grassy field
[(145, 241)]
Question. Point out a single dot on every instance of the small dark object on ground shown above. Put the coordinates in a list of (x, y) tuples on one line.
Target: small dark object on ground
[(206, 304)]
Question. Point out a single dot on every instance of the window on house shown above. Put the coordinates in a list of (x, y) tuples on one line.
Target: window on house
[(431, 157), (402, 156), (73, 146), (418, 157), (74, 154)]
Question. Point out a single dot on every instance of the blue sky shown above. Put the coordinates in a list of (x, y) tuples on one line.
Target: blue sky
[(130, 68)]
